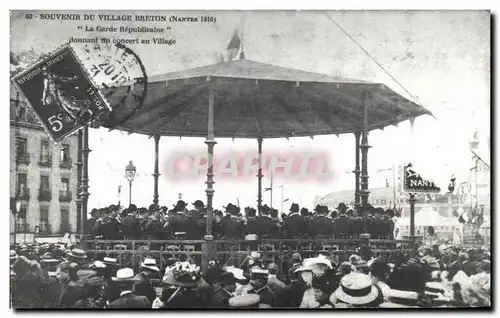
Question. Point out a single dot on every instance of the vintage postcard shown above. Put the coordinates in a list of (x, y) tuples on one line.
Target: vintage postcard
[(259, 160)]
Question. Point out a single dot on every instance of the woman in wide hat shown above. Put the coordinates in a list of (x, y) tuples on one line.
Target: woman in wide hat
[(181, 282)]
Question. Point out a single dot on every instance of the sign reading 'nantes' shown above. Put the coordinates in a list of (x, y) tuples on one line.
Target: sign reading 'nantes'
[(413, 182)]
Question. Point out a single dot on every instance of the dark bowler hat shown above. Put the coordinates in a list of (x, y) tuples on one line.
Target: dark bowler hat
[(181, 205), (198, 203), (294, 207)]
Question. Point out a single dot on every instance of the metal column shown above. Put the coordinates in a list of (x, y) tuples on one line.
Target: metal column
[(364, 192), (208, 252), (356, 171), (259, 177), (156, 173)]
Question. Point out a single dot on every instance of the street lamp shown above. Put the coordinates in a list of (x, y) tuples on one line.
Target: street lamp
[(130, 171)]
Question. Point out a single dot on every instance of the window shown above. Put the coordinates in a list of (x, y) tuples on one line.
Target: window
[(45, 150), (22, 182), (382, 201), (65, 185), (21, 146), (65, 226), (44, 183), (65, 153), (44, 214)]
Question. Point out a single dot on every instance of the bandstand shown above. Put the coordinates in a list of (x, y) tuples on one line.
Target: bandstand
[(248, 99)]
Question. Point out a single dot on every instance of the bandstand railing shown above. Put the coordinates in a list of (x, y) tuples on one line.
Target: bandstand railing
[(130, 253)]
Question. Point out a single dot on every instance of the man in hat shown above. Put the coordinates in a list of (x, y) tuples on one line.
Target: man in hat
[(258, 285), (179, 221), (265, 226), (251, 222), (295, 226), (130, 227), (90, 224), (143, 286), (107, 270), (78, 256), (232, 227), (199, 206), (321, 226), (195, 225), (223, 290), (125, 279)]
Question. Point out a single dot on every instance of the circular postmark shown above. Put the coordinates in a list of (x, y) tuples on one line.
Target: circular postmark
[(120, 76)]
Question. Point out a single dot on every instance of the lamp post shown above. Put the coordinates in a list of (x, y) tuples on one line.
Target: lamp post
[(130, 171)]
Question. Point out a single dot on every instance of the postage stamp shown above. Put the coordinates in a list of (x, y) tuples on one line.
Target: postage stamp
[(120, 76), (61, 93)]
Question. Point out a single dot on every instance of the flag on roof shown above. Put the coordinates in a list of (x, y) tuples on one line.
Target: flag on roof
[(233, 46)]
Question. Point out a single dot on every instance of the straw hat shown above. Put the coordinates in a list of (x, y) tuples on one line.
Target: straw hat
[(110, 261), (77, 253), (48, 258), (245, 301), (355, 289), (259, 273), (125, 275), (401, 299), (97, 264), (150, 263)]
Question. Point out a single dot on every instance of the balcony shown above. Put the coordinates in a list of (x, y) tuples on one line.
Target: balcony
[(65, 196), (45, 161), (43, 228), (23, 158), (22, 227), (44, 195), (23, 194), (66, 164)]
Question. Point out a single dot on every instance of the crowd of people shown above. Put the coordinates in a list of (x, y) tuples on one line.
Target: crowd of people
[(182, 223), (59, 276)]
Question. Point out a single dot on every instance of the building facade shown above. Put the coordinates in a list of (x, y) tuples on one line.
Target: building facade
[(43, 175)]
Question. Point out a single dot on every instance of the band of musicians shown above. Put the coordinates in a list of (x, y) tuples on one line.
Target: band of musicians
[(188, 221)]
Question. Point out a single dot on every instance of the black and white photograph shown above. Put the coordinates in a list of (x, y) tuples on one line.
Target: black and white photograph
[(250, 160)]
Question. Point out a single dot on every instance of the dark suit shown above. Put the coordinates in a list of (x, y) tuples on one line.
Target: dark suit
[(232, 228), (267, 228), (195, 229), (90, 225), (295, 226), (131, 227), (144, 287), (252, 226), (130, 300), (322, 227), (71, 293)]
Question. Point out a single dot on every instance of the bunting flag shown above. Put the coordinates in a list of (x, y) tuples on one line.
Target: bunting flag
[(233, 46)]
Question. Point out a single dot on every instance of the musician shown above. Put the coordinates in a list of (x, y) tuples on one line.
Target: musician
[(130, 228), (199, 206), (265, 226), (295, 225), (321, 226), (231, 225)]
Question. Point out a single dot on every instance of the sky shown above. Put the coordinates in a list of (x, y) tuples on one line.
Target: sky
[(441, 57)]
